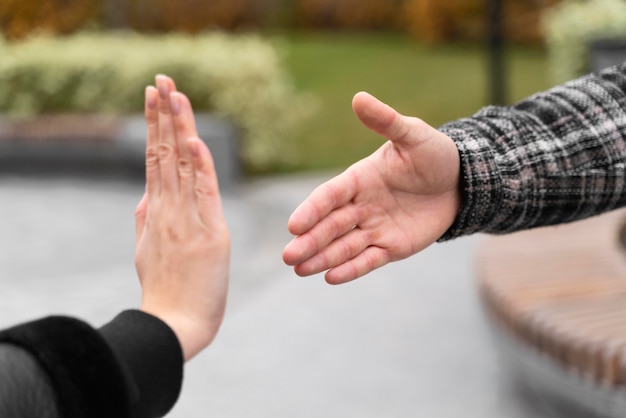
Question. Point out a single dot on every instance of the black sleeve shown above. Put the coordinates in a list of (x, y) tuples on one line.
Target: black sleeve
[(152, 360), (25, 389), (131, 368)]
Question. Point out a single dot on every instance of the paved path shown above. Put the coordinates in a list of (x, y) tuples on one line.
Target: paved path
[(407, 341)]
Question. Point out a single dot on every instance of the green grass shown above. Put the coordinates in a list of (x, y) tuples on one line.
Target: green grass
[(435, 83)]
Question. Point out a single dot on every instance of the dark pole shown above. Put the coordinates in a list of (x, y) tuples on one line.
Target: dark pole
[(495, 45), (116, 14)]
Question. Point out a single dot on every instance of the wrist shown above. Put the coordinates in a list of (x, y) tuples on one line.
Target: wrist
[(192, 336)]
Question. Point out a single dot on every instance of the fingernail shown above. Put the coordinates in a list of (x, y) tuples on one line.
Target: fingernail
[(161, 82), (150, 98), (175, 103)]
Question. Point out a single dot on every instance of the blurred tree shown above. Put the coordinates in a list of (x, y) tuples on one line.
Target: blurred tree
[(440, 20), (193, 15), (20, 18), (348, 14), (428, 20), (116, 14), (523, 19), (279, 14)]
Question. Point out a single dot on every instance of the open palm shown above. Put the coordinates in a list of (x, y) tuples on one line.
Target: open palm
[(384, 208)]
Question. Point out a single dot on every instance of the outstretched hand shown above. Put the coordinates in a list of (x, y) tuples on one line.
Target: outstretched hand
[(183, 243), (384, 208)]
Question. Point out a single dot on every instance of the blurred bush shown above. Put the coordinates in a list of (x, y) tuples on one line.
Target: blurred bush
[(240, 77), (572, 25), (20, 18)]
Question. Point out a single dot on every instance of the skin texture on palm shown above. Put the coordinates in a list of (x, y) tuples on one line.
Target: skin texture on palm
[(182, 240), (386, 207)]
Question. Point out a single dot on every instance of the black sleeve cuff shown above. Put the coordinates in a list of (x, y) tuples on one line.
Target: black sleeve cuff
[(85, 372), (153, 361)]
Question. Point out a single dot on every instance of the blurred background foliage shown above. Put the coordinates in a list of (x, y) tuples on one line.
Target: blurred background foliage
[(426, 57), (571, 26), (427, 20), (239, 77), (19, 19)]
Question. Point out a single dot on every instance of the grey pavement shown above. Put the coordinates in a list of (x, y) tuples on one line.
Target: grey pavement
[(409, 340)]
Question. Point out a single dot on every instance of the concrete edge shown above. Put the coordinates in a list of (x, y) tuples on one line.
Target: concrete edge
[(115, 148)]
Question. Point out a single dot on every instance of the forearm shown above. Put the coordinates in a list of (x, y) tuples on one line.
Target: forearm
[(25, 389), (84, 373), (558, 156), (152, 359), (58, 366)]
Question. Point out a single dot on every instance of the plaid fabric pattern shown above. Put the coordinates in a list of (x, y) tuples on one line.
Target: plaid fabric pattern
[(556, 157)]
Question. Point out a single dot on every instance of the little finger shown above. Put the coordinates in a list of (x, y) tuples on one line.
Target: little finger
[(338, 252), (336, 224), (370, 259)]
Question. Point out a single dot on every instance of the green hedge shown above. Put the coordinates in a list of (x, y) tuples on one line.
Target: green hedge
[(239, 77), (572, 25)]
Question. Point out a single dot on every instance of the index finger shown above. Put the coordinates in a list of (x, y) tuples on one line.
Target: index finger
[(152, 142), (168, 150), (322, 201), (184, 123)]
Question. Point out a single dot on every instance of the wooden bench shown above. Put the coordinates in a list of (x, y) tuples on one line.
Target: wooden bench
[(560, 293)]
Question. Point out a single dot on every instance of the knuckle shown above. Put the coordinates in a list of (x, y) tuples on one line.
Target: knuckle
[(202, 191), (151, 117), (346, 251), (320, 263), (334, 225), (152, 156), (166, 151), (185, 167), (312, 246), (370, 262), (164, 106), (363, 212), (172, 234)]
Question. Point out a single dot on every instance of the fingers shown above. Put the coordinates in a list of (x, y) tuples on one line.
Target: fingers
[(185, 128), (305, 246), (184, 123), (176, 160), (370, 259), (384, 120), (338, 252), (170, 123), (206, 185), (152, 143), (322, 201), (140, 217), (167, 148)]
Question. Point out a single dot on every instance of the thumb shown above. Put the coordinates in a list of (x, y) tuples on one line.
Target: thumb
[(382, 118)]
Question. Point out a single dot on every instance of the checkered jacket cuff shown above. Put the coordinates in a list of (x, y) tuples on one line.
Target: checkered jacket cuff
[(556, 157)]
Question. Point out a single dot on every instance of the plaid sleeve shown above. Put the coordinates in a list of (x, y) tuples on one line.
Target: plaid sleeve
[(556, 157)]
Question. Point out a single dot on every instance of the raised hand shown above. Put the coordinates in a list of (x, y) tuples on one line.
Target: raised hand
[(183, 243), (386, 207)]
